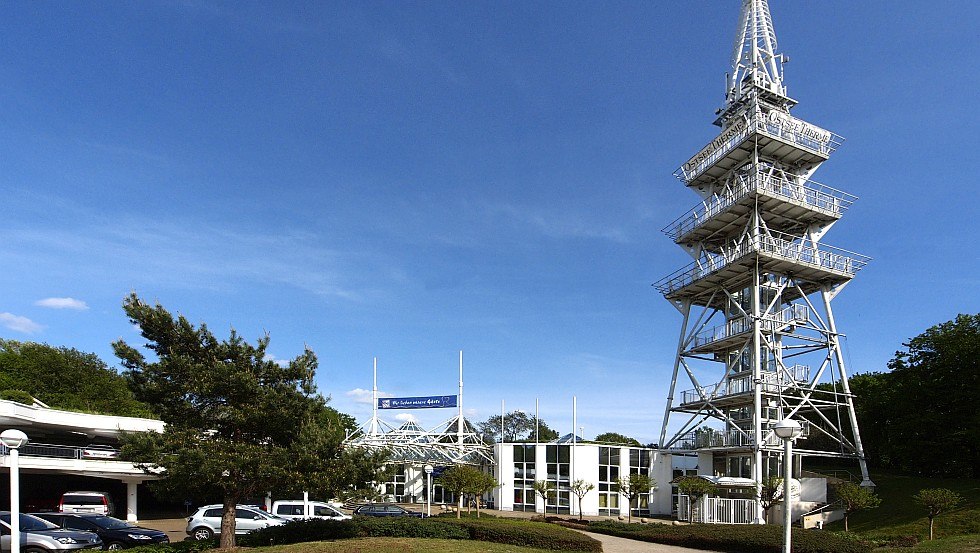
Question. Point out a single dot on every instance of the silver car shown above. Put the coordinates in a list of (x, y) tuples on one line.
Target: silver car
[(40, 536), (205, 523)]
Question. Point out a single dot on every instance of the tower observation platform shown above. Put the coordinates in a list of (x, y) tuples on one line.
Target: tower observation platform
[(759, 342)]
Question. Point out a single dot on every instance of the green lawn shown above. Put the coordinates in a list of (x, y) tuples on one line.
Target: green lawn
[(899, 514), (398, 545)]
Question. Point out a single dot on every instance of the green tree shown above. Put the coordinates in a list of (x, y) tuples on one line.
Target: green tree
[(581, 488), (235, 419), (545, 490), (462, 480), (615, 438), (937, 501), (479, 483), (771, 495), (65, 378), (939, 368), (695, 487), (518, 427), (632, 487), (856, 498)]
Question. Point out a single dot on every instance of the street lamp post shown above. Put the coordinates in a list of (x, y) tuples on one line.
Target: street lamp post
[(14, 439), (787, 430), (428, 490)]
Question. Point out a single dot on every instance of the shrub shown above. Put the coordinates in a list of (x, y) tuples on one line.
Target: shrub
[(528, 534), (410, 528), (734, 538), (300, 531), (186, 546)]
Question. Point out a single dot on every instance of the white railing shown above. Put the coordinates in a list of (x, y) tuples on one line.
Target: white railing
[(791, 314), (776, 125), (771, 382), (717, 510), (780, 245), (810, 193)]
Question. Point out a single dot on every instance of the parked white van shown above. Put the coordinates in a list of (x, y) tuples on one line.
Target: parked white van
[(293, 510)]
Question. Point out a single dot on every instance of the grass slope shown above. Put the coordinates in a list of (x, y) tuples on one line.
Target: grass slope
[(900, 515)]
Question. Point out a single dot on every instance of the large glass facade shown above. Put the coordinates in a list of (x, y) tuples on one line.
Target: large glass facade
[(395, 488), (608, 474), (640, 464), (558, 459), (524, 476)]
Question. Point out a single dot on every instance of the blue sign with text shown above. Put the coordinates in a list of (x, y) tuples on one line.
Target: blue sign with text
[(429, 402)]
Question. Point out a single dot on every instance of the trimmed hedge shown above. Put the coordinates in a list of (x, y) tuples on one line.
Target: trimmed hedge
[(186, 546), (528, 534), (505, 531), (741, 538)]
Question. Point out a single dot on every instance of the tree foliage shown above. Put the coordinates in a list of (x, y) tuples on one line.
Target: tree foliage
[(615, 438), (695, 488), (64, 378), (633, 486), (544, 489), (518, 427), (771, 494), (581, 488), (937, 501), (926, 403), (237, 423), (464, 480), (856, 498)]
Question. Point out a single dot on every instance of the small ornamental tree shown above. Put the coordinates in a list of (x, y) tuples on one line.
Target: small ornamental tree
[(695, 488), (937, 501), (856, 498), (581, 488), (772, 495), (460, 480), (478, 484), (545, 489), (632, 487)]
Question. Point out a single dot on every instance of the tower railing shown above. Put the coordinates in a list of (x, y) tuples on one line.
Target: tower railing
[(781, 245), (775, 124), (772, 382), (707, 437), (791, 314), (810, 193)]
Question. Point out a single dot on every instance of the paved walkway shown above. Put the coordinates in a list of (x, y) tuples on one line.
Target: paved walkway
[(613, 544)]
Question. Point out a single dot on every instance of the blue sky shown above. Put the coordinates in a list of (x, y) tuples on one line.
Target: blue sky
[(403, 180)]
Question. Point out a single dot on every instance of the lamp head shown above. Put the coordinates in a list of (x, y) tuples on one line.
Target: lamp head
[(788, 429), (13, 438), (428, 469)]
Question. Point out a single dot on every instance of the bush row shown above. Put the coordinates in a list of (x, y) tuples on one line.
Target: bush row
[(741, 538), (186, 546), (505, 531)]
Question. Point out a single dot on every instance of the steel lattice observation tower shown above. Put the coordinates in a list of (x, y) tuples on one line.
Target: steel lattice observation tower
[(758, 342)]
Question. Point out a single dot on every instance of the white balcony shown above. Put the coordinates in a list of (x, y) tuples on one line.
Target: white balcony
[(772, 382), (779, 136), (814, 202), (793, 314), (777, 253)]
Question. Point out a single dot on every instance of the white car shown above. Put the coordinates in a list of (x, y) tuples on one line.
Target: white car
[(293, 509), (205, 523)]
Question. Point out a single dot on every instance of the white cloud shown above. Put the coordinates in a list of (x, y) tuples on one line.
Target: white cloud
[(360, 395), (62, 303), (19, 324), (406, 417), (280, 362)]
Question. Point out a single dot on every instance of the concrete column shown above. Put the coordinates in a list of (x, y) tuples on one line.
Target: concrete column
[(131, 500)]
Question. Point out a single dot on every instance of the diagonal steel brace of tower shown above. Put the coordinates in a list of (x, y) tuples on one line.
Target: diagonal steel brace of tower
[(758, 342)]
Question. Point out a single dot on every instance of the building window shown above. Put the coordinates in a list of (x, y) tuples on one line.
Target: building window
[(640, 464), (524, 476), (558, 458), (396, 486), (608, 474)]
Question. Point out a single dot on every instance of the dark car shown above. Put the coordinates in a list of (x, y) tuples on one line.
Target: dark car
[(116, 534), (385, 510)]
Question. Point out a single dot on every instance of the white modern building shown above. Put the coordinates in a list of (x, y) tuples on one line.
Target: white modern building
[(65, 444)]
